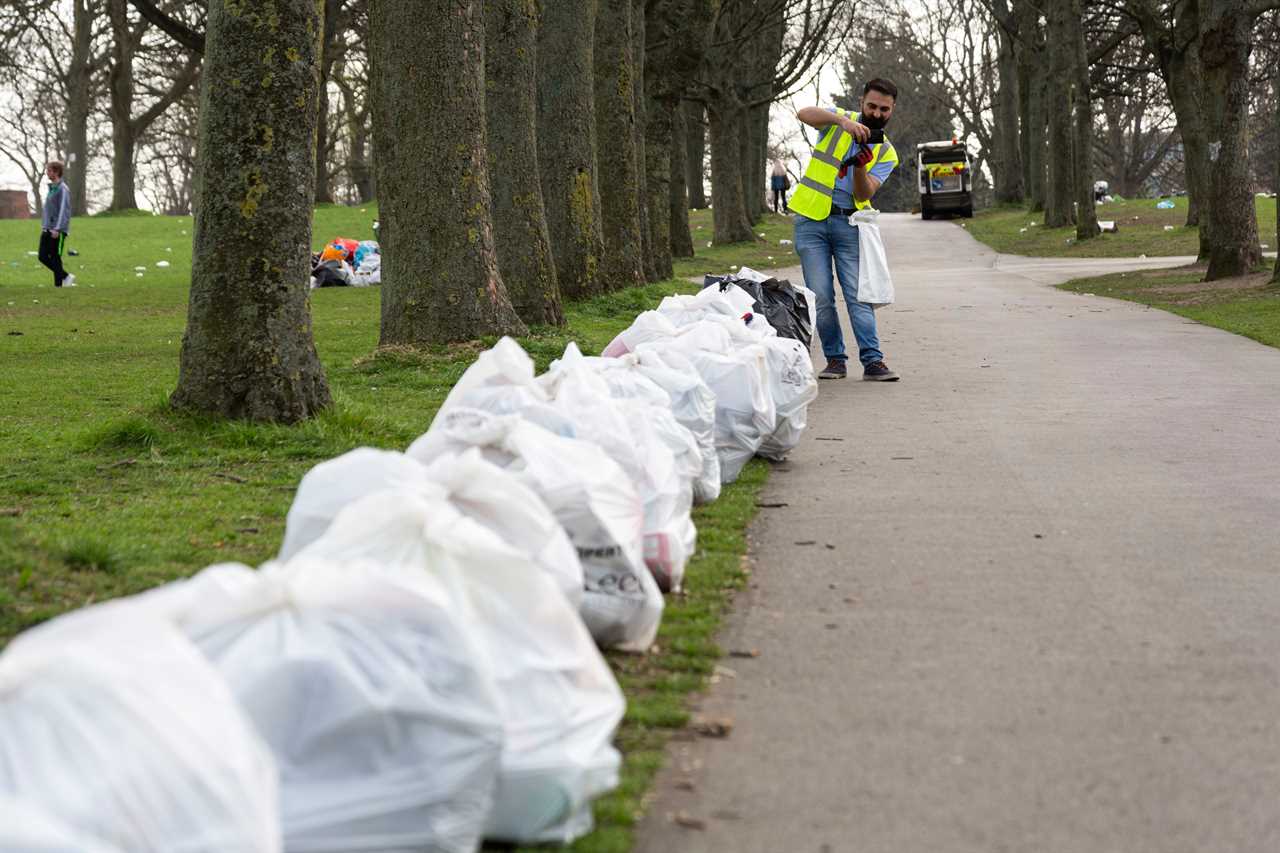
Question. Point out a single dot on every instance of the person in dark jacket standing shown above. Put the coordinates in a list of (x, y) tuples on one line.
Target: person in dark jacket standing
[(779, 183), (55, 224)]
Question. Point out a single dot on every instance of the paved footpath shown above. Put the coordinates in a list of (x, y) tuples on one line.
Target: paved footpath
[(1041, 607)]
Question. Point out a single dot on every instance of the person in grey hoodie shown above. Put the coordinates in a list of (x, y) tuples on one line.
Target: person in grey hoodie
[(55, 223)]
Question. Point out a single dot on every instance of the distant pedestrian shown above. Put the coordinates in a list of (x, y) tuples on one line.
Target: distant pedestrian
[(779, 183), (55, 224)]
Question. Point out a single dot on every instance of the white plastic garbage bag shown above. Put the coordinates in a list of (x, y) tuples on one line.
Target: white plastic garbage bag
[(560, 702), (639, 436), (26, 828), (875, 284), (629, 382), (589, 494), (115, 725), (370, 688), (745, 410), (482, 491), (693, 404), (793, 387), (647, 327), (501, 381)]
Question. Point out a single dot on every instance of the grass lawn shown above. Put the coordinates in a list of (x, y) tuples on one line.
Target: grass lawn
[(1249, 305), (1142, 231), (766, 253), (105, 492)]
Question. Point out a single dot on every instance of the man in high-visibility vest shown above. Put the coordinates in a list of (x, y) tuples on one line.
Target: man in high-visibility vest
[(843, 174)]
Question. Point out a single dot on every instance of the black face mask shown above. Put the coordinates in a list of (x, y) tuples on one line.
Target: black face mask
[(873, 122)]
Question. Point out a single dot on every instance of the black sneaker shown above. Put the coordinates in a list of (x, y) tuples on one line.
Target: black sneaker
[(835, 369), (876, 371)]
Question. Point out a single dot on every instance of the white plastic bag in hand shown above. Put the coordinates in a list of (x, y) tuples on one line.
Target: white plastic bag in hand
[(478, 488), (116, 726), (589, 494), (358, 679), (559, 699), (875, 284)]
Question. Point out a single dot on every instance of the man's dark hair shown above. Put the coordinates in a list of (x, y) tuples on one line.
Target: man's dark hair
[(881, 85)]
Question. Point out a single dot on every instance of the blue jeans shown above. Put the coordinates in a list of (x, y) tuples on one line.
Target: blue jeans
[(819, 244)]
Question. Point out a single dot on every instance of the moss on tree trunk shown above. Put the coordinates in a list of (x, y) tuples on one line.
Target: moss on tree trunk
[(615, 69), (248, 351), (511, 105), (567, 143), (440, 280)]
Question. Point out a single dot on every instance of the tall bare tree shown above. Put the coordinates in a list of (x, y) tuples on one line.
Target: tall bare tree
[(695, 124), (678, 194), (1059, 194), (615, 80), (162, 90), (440, 266), (1082, 124), (1226, 42), (248, 351), (1171, 31), (511, 105), (734, 81), (567, 144), (1275, 187), (1006, 159)]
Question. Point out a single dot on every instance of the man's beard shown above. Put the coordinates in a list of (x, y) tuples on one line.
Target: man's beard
[(874, 122)]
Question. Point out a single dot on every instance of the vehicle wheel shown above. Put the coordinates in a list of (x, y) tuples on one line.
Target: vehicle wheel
[(967, 213), (925, 213)]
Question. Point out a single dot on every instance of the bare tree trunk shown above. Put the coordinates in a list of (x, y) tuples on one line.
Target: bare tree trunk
[(248, 351), (440, 279), (361, 170), (1059, 196), (567, 143), (727, 120), (79, 104), (520, 225), (1007, 162), (648, 257), (1177, 52), (658, 180), (1226, 28), (123, 142), (621, 265), (328, 55), (678, 202), (1086, 214), (1032, 79), (1275, 90), (757, 143), (695, 121)]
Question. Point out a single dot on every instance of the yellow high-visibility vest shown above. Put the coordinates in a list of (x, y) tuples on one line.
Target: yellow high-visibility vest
[(812, 197)]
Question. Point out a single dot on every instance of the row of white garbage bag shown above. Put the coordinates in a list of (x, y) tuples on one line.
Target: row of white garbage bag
[(419, 668)]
